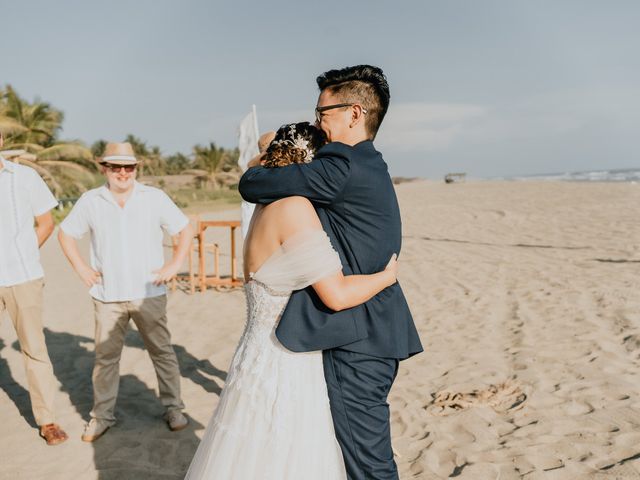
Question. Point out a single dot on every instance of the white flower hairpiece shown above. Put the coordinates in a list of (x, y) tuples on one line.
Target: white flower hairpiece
[(298, 142)]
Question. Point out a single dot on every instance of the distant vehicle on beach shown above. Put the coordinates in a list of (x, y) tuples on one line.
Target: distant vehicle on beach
[(454, 177)]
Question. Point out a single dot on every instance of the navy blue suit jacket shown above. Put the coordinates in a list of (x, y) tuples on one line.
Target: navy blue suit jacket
[(354, 197)]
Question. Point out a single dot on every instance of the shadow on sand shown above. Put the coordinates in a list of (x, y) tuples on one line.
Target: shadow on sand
[(615, 260), (16, 392), (190, 367), (140, 446), (517, 245)]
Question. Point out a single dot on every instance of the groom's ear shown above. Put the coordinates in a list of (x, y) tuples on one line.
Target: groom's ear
[(357, 116)]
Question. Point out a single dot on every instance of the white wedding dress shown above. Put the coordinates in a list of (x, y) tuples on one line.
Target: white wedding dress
[(273, 420)]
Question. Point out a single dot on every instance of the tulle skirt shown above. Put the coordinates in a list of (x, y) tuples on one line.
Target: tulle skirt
[(273, 421)]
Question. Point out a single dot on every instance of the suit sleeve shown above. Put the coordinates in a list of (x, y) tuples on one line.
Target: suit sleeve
[(321, 181)]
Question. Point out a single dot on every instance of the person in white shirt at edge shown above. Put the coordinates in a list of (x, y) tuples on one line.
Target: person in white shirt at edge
[(23, 197), (126, 279)]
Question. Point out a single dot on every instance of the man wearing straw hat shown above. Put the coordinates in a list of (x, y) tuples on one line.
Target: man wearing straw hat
[(126, 279), (24, 197)]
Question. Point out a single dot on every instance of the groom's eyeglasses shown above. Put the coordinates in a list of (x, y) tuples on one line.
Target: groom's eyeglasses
[(321, 110)]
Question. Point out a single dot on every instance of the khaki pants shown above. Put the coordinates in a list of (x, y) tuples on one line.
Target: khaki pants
[(24, 304), (112, 321)]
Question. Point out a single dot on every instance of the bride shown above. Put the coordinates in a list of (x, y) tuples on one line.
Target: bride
[(273, 420)]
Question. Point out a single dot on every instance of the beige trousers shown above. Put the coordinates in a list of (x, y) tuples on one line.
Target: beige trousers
[(23, 302), (112, 322)]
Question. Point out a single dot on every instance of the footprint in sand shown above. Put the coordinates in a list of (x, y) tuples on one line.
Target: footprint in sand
[(503, 397), (575, 408)]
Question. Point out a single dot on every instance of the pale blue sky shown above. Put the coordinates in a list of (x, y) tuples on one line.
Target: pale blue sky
[(488, 87)]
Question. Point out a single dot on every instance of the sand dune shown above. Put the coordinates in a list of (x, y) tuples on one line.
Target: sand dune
[(527, 299)]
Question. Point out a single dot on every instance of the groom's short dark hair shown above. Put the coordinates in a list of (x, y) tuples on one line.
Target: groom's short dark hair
[(365, 85)]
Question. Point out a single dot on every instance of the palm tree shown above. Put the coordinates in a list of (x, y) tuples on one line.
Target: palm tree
[(214, 165), (97, 148), (40, 120), (176, 163), (31, 137)]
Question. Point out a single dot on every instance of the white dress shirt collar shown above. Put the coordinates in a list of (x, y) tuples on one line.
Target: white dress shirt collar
[(138, 188)]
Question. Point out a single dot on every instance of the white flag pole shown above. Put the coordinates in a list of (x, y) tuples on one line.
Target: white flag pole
[(255, 121), (248, 144)]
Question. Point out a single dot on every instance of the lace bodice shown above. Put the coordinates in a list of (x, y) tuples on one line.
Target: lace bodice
[(264, 305)]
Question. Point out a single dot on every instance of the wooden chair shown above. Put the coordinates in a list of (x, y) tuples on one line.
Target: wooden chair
[(208, 247)]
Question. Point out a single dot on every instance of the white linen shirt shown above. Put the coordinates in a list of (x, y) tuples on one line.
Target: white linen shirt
[(23, 196), (126, 242)]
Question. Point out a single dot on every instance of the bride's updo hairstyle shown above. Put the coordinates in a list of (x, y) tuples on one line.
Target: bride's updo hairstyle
[(294, 143)]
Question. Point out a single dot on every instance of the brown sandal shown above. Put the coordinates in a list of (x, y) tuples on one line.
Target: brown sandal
[(53, 434)]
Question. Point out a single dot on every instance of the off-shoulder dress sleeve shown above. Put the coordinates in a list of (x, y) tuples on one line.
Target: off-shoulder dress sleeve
[(302, 260)]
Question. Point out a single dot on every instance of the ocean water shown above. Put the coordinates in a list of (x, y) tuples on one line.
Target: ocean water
[(615, 175)]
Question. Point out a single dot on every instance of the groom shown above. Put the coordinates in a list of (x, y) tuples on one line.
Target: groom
[(349, 184)]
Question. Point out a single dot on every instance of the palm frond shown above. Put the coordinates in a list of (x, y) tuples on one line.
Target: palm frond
[(68, 165), (10, 126), (19, 153), (29, 147), (66, 151), (14, 104)]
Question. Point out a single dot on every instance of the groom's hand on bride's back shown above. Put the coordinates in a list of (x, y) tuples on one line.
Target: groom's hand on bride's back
[(263, 143)]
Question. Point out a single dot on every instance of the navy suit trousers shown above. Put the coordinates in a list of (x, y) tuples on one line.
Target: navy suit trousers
[(358, 386)]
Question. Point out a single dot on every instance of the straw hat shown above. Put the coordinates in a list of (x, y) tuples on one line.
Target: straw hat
[(121, 153)]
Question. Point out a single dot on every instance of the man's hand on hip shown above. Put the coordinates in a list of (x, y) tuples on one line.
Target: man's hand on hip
[(89, 276), (166, 273)]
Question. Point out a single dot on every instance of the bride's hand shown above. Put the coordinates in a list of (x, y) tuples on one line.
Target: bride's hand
[(392, 269), (256, 161)]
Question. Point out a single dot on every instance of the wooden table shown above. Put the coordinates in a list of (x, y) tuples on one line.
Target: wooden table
[(217, 280)]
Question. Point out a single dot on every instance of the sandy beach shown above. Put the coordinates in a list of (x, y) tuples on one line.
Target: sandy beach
[(527, 299)]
